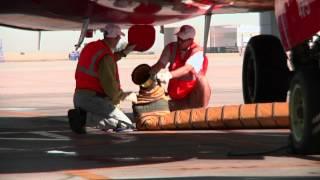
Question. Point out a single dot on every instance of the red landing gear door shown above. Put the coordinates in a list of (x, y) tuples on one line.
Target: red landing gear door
[(143, 36)]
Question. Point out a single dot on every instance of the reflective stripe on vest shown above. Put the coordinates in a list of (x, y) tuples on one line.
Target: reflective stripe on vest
[(86, 75), (90, 71)]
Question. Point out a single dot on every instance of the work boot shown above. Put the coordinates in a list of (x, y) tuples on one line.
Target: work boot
[(77, 121)]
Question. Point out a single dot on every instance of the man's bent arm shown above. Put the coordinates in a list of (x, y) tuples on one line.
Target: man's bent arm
[(182, 71), (162, 62), (118, 55), (108, 79), (193, 64), (156, 67)]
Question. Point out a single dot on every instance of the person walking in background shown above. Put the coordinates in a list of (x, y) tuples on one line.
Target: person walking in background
[(74, 55), (98, 90), (188, 86)]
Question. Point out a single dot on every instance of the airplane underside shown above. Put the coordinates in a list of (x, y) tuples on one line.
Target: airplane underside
[(69, 14)]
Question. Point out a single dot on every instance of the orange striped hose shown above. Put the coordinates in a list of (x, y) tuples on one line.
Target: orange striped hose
[(244, 116)]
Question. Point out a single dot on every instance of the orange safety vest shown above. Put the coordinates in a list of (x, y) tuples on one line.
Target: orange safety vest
[(87, 69), (179, 88)]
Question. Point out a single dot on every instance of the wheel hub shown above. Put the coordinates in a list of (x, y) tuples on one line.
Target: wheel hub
[(297, 113)]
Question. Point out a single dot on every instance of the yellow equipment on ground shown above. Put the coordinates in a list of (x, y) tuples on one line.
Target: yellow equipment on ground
[(152, 111)]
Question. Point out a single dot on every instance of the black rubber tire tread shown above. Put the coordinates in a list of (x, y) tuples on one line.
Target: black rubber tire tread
[(309, 81), (271, 73)]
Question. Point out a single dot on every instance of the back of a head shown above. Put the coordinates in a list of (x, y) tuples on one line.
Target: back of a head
[(112, 31)]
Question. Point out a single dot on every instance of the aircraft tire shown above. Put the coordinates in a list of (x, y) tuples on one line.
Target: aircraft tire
[(304, 112), (265, 74)]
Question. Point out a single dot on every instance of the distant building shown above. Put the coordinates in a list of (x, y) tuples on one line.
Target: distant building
[(169, 34), (223, 39), (228, 32), (229, 36)]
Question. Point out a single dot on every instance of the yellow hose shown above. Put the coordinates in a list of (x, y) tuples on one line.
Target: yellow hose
[(245, 116)]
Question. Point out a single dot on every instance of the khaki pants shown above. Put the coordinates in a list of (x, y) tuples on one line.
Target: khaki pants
[(198, 98), (100, 111)]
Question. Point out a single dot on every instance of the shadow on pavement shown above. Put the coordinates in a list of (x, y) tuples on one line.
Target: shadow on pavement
[(232, 178), (42, 144)]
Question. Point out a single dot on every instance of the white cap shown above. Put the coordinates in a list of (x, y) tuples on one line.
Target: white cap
[(112, 31), (186, 32)]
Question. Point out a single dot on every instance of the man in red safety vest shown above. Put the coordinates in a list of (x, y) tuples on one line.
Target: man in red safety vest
[(98, 90), (188, 87)]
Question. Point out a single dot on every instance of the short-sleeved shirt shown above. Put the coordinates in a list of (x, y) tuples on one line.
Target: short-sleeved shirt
[(196, 60)]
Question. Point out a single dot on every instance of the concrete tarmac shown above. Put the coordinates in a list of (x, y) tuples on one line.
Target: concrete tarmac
[(36, 142)]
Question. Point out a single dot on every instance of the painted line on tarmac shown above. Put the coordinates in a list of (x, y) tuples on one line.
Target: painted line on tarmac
[(34, 139), (85, 174), (19, 113), (18, 109), (19, 132), (52, 136)]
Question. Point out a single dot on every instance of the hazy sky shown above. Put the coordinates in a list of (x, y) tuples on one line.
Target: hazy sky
[(15, 40)]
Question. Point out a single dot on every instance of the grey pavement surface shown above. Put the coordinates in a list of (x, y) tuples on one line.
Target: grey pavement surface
[(36, 142), (26, 83)]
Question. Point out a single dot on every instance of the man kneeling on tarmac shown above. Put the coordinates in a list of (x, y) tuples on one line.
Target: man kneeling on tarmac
[(98, 89), (188, 86)]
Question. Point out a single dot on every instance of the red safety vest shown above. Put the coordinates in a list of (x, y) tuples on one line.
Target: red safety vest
[(179, 88), (87, 68)]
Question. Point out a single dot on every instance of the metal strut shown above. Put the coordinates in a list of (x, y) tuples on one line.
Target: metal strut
[(207, 22), (86, 22), (39, 40), (84, 29)]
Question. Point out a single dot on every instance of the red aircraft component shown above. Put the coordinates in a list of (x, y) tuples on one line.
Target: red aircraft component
[(297, 20), (143, 36)]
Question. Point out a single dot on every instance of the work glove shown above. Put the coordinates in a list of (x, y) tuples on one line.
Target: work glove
[(164, 76), (128, 49), (129, 96)]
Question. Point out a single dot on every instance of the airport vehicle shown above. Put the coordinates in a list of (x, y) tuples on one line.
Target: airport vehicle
[(266, 76)]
